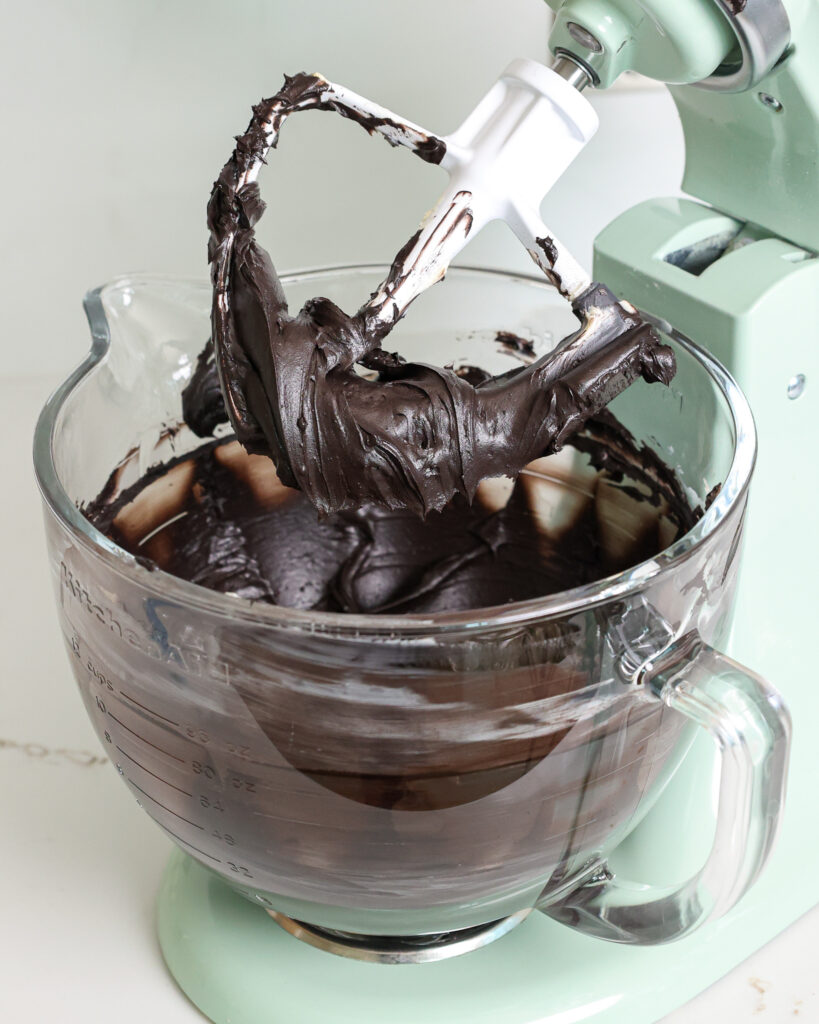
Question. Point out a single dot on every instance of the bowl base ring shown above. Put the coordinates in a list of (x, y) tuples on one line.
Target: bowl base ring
[(401, 949)]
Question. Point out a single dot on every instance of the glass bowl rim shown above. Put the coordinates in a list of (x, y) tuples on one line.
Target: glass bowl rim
[(371, 626)]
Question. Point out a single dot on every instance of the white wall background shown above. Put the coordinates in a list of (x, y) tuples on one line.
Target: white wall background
[(118, 116)]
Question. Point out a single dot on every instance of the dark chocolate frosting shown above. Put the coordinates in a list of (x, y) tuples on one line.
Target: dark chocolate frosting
[(222, 519), (418, 435)]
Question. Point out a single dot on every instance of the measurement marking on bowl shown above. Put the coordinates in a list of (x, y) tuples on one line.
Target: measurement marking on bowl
[(308, 821), (161, 750), (150, 711), (139, 764), (164, 807), (261, 764), (162, 526), (620, 768), (267, 764), (185, 841)]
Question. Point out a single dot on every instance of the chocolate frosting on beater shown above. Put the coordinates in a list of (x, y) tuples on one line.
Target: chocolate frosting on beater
[(417, 435)]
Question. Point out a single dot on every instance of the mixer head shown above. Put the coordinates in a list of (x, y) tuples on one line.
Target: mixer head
[(742, 74), (721, 45)]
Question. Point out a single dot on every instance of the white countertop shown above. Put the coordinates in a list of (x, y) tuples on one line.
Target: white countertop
[(81, 863)]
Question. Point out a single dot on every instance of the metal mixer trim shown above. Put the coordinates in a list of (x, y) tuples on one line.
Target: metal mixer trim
[(388, 949), (763, 32)]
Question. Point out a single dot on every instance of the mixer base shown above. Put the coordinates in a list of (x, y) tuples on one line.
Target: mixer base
[(238, 967)]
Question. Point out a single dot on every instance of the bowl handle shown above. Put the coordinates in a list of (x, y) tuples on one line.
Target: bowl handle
[(752, 729)]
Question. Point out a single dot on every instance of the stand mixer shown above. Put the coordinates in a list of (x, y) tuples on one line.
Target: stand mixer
[(731, 277)]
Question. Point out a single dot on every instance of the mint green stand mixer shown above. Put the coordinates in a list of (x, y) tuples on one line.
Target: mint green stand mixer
[(740, 278)]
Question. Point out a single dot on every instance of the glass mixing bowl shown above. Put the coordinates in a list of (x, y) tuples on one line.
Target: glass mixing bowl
[(417, 775)]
